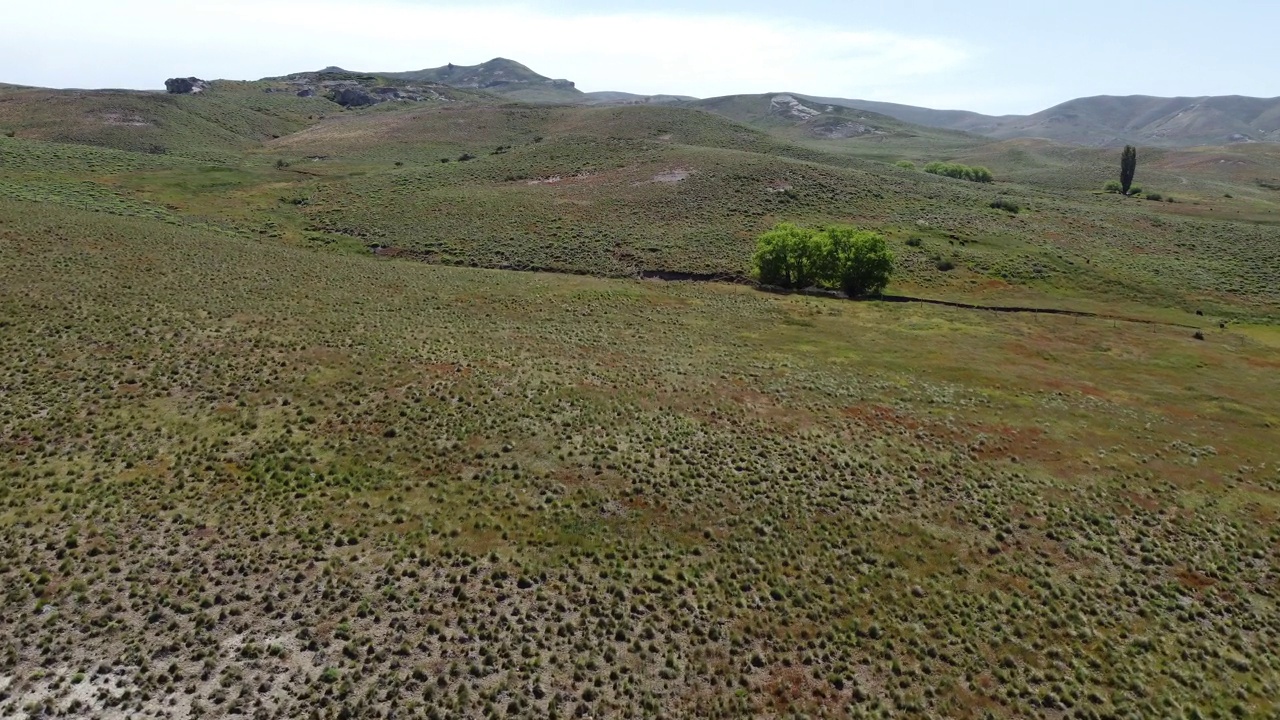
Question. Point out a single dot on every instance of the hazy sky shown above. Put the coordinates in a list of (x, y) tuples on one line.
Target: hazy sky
[(993, 56)]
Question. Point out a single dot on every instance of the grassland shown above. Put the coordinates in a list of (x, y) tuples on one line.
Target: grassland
[(251, 469)]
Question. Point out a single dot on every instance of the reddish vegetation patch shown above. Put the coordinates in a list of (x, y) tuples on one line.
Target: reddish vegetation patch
[(1194, 580), (1146, 503), (1262, 362)]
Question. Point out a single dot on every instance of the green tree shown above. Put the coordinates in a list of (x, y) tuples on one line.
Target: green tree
[(960, 172), (855, 261), (1128, 167), (859, 261), (788, 256)]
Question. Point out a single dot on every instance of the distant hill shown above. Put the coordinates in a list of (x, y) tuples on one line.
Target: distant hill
[(1107, 121), (946, 119), (609, 97), (1139, 119), (802, 117), (1102, 121), (499, 76)]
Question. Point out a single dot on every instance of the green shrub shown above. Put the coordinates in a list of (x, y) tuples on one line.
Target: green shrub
[(1113, 186), (906, 164), (1135, 190), (860, 262), (787, 256), (855, 261), (1003, 203), (1155, 196), (915, 242), (959, 172)]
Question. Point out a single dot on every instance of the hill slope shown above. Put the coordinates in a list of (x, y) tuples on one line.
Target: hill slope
[(499, 76), (1139, 119), (1108, 121), (798, 117)]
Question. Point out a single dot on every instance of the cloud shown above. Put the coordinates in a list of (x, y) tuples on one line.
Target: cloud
[(138, 43)]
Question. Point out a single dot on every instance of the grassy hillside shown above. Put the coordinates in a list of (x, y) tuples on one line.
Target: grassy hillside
[(1166, 122), (500, 76), (248, 478), (623, 190), (253, 464), (230, 118)]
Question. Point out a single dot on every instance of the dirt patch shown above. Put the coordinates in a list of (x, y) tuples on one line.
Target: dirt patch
[(672, 176), (122, 119)]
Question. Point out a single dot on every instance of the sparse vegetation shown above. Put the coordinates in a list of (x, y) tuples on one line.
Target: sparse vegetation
[(248, 468)]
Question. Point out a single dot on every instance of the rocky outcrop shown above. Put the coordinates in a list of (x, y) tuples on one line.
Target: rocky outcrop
[(185, 86), (353, 97)]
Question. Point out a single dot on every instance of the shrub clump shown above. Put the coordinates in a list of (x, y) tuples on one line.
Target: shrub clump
[(1113, 186), (1154, 196), (1004, 203), (856, 261), (906, 164), (960, 172)]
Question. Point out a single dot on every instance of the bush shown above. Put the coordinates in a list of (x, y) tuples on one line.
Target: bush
[(855, 261), (944, 264), (860, 261), (1155, 196), (788, 256), (1135, 190), (906, 164), (915, 242), (959, 172), (10, 133), (1113, 186), (1003, 203)]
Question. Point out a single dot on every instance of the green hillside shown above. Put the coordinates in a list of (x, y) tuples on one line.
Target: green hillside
[(297, 422), (500, 76), (231, 117)]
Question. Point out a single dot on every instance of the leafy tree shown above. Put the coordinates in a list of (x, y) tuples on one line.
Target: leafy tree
[(855, 261), (860, 262), (1128, 167), (788, 256)]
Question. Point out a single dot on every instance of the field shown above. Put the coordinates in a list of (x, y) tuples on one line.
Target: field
[(251, 468)]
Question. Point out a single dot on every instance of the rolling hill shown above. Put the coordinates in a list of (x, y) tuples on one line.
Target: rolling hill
[(499, 76), (1164, 122), (1102, 121), (1107, 121), (286, 434)]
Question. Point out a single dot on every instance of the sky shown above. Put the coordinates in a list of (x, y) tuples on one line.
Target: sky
[(990, 56)]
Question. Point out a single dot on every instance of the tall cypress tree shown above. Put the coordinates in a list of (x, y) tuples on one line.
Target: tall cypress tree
[(1128, 167)]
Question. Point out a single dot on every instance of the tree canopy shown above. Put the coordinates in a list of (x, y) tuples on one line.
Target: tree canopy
[(1128, 167), (856, 261)]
